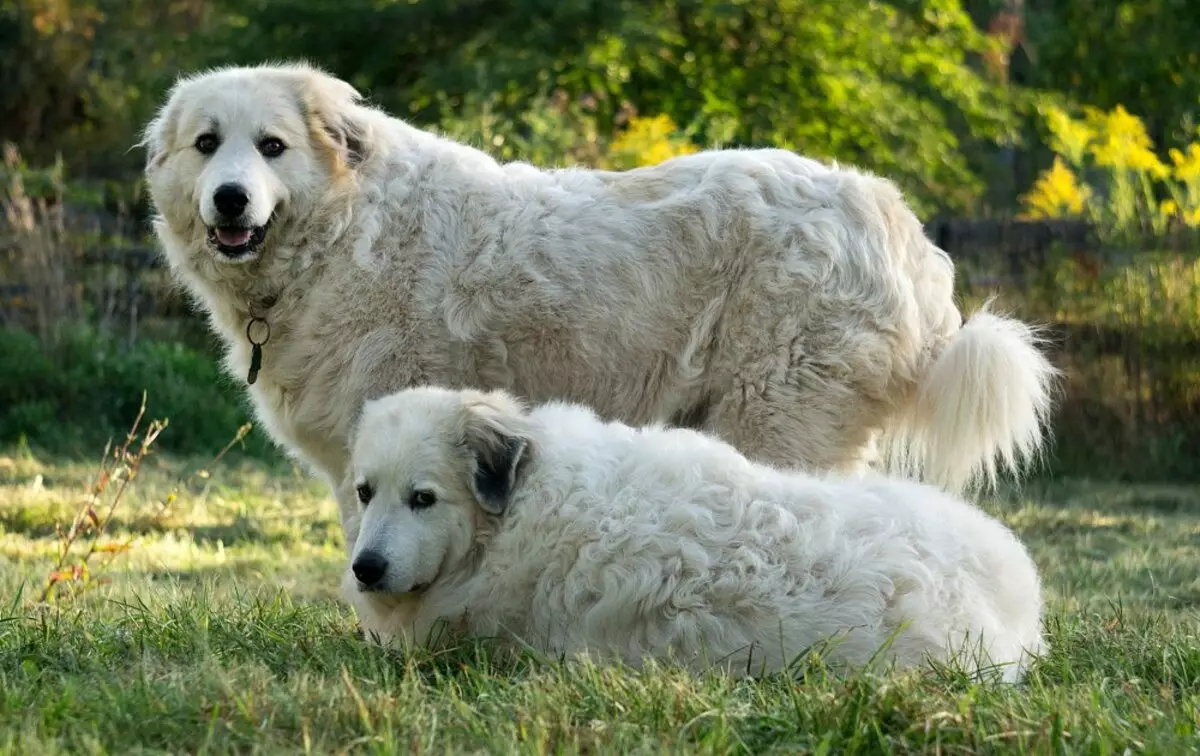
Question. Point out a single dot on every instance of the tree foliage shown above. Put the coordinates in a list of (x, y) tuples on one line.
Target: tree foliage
[(907, 88), (81, 76), (889, 86), (1142, 54)]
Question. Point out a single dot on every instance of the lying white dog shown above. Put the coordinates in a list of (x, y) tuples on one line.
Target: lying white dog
[(571, 535), (797, 310)]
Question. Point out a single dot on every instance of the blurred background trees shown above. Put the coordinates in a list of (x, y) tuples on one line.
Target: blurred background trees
[(941, 95), (1053, 111)]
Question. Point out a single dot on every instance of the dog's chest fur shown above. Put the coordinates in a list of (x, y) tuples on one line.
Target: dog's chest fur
[(325, 358)]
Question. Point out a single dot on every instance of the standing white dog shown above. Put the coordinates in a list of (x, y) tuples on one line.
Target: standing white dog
[(796, 310), (572, 535)]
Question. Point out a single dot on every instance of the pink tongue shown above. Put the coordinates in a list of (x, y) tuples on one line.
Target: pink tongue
[(233, 237)]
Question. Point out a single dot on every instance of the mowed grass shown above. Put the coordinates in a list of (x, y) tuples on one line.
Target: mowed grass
[(220, 632)]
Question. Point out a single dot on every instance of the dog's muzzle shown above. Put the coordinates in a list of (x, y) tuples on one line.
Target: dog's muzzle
[(233, 237)]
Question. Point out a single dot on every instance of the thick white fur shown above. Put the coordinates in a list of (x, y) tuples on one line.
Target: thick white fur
[(795, 309), (980, 407), (629, 543)]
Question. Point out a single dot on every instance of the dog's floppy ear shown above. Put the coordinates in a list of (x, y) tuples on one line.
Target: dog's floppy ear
[(157, 132), (332, 107), (495, 432)]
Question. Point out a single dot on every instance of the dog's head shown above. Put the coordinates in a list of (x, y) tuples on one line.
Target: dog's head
[(236, 156), (429, 467)]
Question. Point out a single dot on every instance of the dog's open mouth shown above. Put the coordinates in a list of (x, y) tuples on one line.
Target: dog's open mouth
[(415, 592), (236, 242)]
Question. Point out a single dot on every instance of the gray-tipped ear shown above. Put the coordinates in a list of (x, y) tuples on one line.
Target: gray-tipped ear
[(497, 439)]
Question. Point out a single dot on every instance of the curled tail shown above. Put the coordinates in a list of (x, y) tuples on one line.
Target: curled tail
[(982, 405)]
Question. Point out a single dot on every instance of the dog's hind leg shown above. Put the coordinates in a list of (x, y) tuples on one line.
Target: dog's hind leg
[(812, 422)]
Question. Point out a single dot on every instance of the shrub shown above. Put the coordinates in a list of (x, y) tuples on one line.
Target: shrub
[(648, 141), (1106, 170), (75, 395)]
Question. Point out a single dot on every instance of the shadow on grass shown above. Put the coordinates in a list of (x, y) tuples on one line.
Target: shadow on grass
[(1141, 499), (1099, 542), (241, 531)]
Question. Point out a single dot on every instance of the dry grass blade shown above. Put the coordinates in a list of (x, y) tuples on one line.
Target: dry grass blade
[(117, 470), (91, 521), (164, 506)]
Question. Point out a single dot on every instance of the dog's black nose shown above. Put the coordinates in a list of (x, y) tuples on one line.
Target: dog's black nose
[(231, 200), (369, 568)]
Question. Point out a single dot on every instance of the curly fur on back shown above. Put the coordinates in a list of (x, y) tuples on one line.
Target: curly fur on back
[(629, 543)]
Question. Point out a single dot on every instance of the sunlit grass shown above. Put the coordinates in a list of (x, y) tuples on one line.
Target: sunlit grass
[(220, 632), (240, 522)]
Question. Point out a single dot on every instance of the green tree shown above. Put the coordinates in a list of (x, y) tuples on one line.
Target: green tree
[(81, 76), (1142, 54), (893, 87)]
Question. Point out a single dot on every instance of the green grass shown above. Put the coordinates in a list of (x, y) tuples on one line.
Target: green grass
[(220, 632)]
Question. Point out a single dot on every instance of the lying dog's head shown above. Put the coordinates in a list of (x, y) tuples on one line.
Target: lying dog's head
[(428, 465), (237, 155)]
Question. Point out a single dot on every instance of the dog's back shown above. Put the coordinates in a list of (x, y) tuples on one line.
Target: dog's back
[(653, 538)]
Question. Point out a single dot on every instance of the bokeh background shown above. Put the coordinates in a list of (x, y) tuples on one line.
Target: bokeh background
[(1050, 146)]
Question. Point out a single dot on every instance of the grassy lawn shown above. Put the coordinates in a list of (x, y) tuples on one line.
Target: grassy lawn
[(219, 632)]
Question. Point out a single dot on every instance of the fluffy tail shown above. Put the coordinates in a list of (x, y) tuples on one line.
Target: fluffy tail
[(983, 405)]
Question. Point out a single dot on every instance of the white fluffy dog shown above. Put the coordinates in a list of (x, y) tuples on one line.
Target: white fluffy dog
[(557, 530), (795, 309)]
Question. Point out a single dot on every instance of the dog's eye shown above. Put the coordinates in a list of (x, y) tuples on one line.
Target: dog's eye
[(365, 492), (271, 147), (422, 499), (207, 144)]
